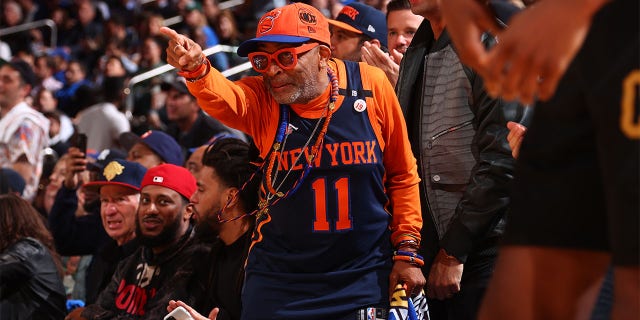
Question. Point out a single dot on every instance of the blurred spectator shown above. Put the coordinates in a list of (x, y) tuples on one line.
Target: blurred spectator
[(204, 34), (44, 100), (33, 10), (188, 124), (65, 28), (30, 271), (60, 130), (378, 4), (12, 182), (227, 28), (152, 148), (149, 24), (86, 39), (114, 49), (5, 51), (211, 11), (117, 30), (45, 68), (23, 131), (152, 53), (61, 58), (75, 77), (146, 97), (102, 122), (11, 17)]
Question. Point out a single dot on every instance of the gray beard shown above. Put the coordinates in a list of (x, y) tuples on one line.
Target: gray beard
[(304, 95)]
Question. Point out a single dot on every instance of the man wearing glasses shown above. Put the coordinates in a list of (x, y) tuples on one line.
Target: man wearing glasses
[(338, 223)]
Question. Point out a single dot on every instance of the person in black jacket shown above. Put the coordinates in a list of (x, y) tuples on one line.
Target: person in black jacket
[(30, 271), (458, 134), (224, 204)]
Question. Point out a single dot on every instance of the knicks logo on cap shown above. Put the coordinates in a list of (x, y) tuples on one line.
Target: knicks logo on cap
[(266, 23), (112, 170), (307, 17), (350, 12)]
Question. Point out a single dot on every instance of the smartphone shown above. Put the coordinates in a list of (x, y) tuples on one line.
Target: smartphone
[(81, 143), (178, 313)]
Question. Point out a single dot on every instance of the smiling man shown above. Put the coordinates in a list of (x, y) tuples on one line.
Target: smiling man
[(162, 267)]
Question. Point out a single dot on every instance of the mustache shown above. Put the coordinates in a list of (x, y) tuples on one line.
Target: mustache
[(152, 218)]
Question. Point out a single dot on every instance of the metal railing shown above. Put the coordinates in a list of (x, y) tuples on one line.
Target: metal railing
[(32, 25), (128, 91)]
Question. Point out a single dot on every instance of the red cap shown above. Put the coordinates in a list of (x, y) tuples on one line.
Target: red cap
[(293, 23), (176, 178)]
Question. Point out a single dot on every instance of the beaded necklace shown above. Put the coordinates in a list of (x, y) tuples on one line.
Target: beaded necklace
[(272, 191), (276, 152)]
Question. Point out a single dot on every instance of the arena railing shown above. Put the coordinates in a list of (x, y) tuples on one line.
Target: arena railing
[(129, 97), (32, 25)]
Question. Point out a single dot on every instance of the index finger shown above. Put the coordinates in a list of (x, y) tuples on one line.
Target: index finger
[(170, 34)]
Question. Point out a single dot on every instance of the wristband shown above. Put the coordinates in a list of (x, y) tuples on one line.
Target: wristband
[(197, 74), (412, 260)]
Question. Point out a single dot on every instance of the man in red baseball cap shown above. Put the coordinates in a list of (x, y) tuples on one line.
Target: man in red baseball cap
[(162, 267), (340, 185)]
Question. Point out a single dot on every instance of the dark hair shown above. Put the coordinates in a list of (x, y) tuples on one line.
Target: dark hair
[(24, 70), (49, 60), (232, 158), (19, 220), (397, 5)]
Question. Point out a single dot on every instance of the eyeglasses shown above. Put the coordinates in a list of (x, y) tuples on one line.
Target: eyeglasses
[(285, 58)]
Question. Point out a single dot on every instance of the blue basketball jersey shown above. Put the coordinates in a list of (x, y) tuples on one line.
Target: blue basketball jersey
[(328, 243)]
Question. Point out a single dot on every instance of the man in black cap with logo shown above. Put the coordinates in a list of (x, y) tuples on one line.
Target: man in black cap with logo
[(108, 232), (355, 24)]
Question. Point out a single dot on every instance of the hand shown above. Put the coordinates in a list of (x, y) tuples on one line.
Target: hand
[(409, 274), (466, 21), (527, 64), (516, 133), (182, 53), (444, 277), (524, 64), (76, 162), (374, 56), (75, 314), (194, 314)]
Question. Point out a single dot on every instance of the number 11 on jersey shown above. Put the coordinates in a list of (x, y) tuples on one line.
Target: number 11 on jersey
[(341, 187)]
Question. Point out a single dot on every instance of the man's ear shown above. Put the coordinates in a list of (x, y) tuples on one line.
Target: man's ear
[(188, 212), (26, 89), (325, 55), (231, 197)]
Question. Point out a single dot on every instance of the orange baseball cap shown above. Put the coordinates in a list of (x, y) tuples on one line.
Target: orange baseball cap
[(293, 23)]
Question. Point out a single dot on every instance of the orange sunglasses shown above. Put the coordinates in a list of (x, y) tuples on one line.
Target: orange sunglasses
[(285, 58)]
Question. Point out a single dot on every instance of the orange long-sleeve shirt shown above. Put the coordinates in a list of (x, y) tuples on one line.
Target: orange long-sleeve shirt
[(247, 105)]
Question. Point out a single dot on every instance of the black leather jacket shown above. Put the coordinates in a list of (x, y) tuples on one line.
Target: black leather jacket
[(30, 285), (480, 214)]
